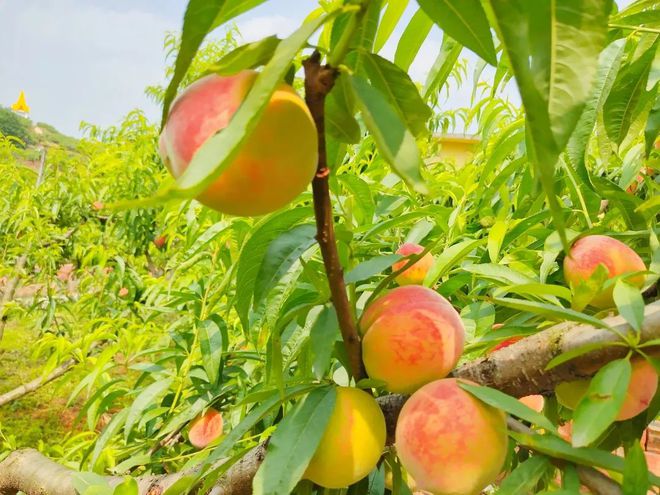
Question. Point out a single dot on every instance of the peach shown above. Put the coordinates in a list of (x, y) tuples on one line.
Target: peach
[(205, 429), (352, 443), (123, 292), (643, 386), (588, 253), (276, 162), (98, 205), (535, 402), (417, 272), (449, 441), (412, 337), (160, 241)]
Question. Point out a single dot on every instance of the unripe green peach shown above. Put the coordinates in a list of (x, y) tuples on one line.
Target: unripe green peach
[(276, 162), (353, 441), (412, 337), (417, 272), (641, 389), (450, 442), (205, 429), (589, 252)]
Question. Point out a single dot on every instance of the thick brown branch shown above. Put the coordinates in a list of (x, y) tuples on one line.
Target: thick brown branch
[(319, 80), (519, 369)]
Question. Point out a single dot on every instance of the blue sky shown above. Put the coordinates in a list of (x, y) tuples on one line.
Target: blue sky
[(90, 60)]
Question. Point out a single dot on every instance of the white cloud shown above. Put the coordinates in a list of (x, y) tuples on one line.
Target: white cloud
[(77, 61)]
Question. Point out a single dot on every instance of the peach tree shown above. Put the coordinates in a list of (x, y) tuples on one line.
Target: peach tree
[(275, 356)]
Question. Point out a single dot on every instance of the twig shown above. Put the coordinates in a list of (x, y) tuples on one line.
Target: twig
[(319, 80)]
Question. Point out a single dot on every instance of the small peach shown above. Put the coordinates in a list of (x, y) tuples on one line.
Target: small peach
[(589, 252), (205, 429), (535, 402), (417, 272)]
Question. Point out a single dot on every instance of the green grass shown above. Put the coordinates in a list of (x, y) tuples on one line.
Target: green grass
[(41, 416)]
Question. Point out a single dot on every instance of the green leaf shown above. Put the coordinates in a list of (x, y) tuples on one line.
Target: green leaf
[(629, 302), (211, 343), (450, 50), (83, 481), (293, 444), (363, 199), (391, 17), (559, 449), (108, 432), (371, 267), (525, 477), (551, 311), (635, 471), (495, 239), (412, 38), (553, 50), (254, 250), (448, 258), (218, 151), (144, 399), (598, 409), (466, 22), (339, 109), (652, 127), (608, 67), (400, 91), (579, 351), (197, 23), (394, 141), (280, 256), (377, 481), (233, 8), (509, 404), (626, 92), (248, 56), (127, 487), (323, 334)]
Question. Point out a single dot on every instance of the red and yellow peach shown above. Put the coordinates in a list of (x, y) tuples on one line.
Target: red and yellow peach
[(641, 390), (449, 441), (205, 429), (589, 252), (417, 272), (352, 443), (276, 162), (412, 336)]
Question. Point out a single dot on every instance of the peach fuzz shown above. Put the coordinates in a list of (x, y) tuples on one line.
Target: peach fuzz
[(588, 253), (352, 443), (641, 390), (410, 341), (277, 160), (205, 429), (417, 272), (449, 441)]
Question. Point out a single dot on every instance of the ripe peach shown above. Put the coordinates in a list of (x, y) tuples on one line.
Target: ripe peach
[(535, 402), (412, 337), (449, 441), (98, 205), (160, 241), (417, 272), (205, 429), (353, 441), (642, 388), (276, 162), (589, 252), (123, 292)]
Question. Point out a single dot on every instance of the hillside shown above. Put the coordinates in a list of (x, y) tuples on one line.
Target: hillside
[(33, 136)]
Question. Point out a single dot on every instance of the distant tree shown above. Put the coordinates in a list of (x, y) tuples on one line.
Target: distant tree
[(13, 125)]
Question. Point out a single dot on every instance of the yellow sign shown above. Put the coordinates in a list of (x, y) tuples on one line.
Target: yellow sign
[(21, 105)]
